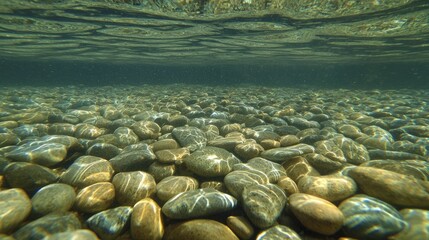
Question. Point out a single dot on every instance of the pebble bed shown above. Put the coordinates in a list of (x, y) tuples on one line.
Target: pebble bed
[(202, 162)]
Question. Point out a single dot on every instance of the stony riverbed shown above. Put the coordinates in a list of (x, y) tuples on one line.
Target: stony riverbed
[(205, 162)]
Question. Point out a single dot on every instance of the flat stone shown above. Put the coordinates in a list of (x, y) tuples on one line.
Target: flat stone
[(47, 225), (146, 129), (236, 181), (329, 149), (241, 227), (287, 185), (366, 217), (263, 204), (146, 220), (42, 153), (298, 167), (171, 186), (15, 206), (273, 170), (172, 155), (278, 232), (87, 131), (350, 131), (28, 176), (417, 225), (199, 229), (109, 224), (164, 144), (104, 150), (8, 138), (125, 137), (81, 234), (416, 168), (393, 155), (190, 137), (95, 198), (248, 150), (62, 129), (227, 143), (289, 140), (131, 187), (160, 171), (220, 186), (316, 213), (211, 162), (392, 187), (56, 197), (354, 152), (331, 188), (87, 170), (133, 160), (198, 203), (285, 153)]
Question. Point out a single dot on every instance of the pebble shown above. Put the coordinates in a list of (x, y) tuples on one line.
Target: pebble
[(56, 197), (316, 213), (47, 225), (331, 188), (173, 185), (323, 164), (199, 229), (15, 206), (198, 203), (95, 198), (396, 189), (161, 170), (298, 167), (190, 137), (7, 138), (248, 149), (146, 221), (87, 170), (146, 129), (263, 204), (417, 168), (109, 224), (288, 185), (42, 153), (131, 187), (366, 217), (28, 176), (278, 232), (417, 224), (81, 234), (241, 227), (237, 180), (227, 143), (286, 153), (172, 155), (104, 150), (211, 162), (271, 169), (164, 144), (133, 160)]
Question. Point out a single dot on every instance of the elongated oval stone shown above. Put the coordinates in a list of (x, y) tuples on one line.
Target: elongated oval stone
[(15, 206), (198, 203), (131, 187), (146, 220), (109, 224)]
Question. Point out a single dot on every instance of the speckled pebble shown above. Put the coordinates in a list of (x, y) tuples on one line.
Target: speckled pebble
[(56, 197), (331, 188)]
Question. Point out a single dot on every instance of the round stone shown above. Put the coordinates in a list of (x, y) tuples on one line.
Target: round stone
[(164, 144), (369, 218), (81, 234), (236, 181), (392, 187), (146, 220), (28, 176), (133, 160), (248, 149), (298, 167), (95, 198), (278, 232), (190, 137), (160, 170), (146, 129), (109, 224), (15, 206), (171, 186), (285, 153), (172, 155), (103, 150), (42, 153), (316, 213), (273, 170), (263, 204), (198, 203), (331, 188), (288, 185), (211, 162), (131, 187), (56, 197), (47, 225), (241, 227), (199, 229), (87, 170)]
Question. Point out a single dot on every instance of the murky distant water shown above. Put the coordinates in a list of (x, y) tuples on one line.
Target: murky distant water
[(228, 36)]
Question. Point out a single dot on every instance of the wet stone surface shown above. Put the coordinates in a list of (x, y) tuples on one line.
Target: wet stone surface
[(156, 161)]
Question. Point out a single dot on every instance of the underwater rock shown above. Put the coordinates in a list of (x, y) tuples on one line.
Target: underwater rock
[(199, 229), (298, 167), (330, 188), (241, 227), (15, 206), (316, 213), (81, 234), (42, 153), (417, 225), (236, 181), (133, 160), (366, 217), (278, 232), (146, 220), (161, 170), (190, 137), (198, 203), (285, 153), (131, 187), (263, 204), (95, 198), (272, 170), (172, 155), (109, 224), (169, 187), (56, 197)]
